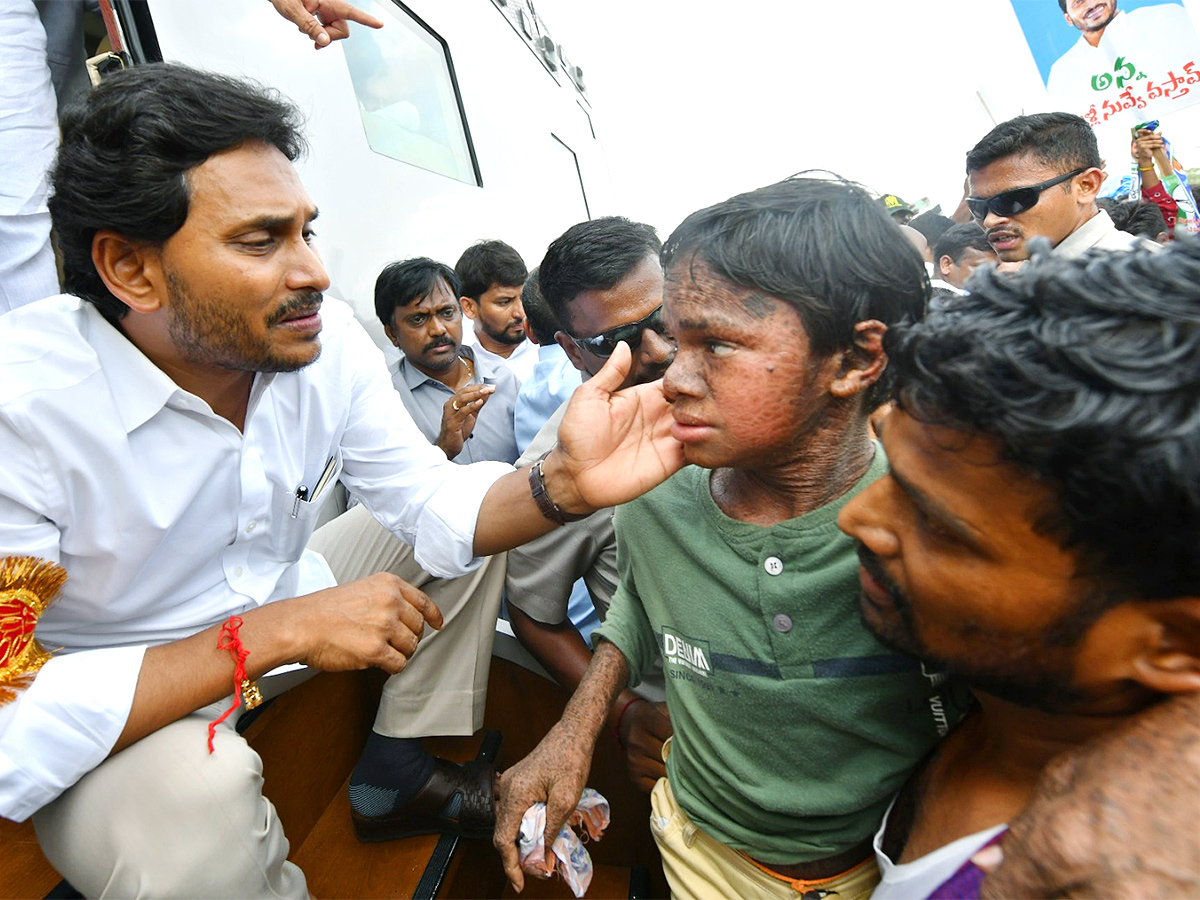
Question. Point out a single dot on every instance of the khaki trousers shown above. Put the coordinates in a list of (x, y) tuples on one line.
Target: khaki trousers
[(443, 690), (699, 867), (164, 818)]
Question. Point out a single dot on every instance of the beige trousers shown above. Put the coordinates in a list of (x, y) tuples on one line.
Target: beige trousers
[(164, 818), (699, 867), (443, 690)]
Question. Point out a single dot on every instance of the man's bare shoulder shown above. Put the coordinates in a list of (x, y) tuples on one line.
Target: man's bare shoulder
[(1115, 818)]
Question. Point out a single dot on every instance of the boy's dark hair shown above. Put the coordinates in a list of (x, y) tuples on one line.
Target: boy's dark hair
[(127, 147), (823, 245), (402, 283), (486, 263)]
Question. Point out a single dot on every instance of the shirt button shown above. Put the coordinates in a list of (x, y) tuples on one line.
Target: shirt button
[(773, 565), (783, 623), (238, 571), (251, 525)]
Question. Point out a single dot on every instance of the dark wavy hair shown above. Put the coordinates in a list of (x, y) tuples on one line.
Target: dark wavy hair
[(1088, 374), (405, 282), (823, 245), (1134, 216), (542, 321), (959, 238), (486, 263), (1055, 138), (592, 256), (126, 150)]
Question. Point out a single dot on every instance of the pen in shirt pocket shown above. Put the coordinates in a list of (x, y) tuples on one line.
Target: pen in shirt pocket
[(302, 493)]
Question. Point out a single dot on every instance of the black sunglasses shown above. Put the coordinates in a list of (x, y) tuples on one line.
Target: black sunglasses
[(604, 343), (1009, 203)]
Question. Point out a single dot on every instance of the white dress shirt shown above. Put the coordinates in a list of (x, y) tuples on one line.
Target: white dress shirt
[(1099, 233), (520, 362), (1156, 40), (917, 879), (168, 519), (28, 139)]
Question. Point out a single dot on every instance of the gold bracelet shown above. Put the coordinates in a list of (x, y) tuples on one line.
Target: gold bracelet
[(1145, 168), (252, 697)]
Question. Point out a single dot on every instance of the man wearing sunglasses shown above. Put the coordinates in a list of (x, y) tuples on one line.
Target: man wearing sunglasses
[(1038, 176), (601, 279)]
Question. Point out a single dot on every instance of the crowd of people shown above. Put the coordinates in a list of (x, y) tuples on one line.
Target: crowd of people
[(888, 527)]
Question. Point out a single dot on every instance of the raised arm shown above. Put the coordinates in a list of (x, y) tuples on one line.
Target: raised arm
[(613, 446), (376, 621)]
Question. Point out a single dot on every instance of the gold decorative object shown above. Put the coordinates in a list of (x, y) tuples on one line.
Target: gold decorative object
[(28, 585)]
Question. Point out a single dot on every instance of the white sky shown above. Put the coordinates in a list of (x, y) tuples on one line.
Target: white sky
[(695, 101)]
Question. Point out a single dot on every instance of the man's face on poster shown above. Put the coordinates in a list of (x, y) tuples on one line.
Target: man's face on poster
[(1090, 15)]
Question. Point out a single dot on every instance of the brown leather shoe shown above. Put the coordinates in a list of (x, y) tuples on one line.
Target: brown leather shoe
[(458, 798)]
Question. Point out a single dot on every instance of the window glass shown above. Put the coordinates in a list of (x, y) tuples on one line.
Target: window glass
[(406, 94)]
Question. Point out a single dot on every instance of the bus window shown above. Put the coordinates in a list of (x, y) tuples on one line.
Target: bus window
[(407, 97), (564, 183)]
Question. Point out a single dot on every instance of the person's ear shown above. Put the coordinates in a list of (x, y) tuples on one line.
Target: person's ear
[(469, 307), (862, 364), (1170, 661), (572, 351), (945, 265), (391, 335), (1087, 184), (131, 270)]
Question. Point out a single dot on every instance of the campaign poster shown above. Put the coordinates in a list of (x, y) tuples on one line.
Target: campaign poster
[(1114, 61)]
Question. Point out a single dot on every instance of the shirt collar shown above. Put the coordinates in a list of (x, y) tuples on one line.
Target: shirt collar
[(139, 388), (414, 377), (1086, 235), (551, 351)]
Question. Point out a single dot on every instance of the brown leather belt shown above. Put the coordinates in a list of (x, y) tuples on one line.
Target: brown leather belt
[(820, 869)]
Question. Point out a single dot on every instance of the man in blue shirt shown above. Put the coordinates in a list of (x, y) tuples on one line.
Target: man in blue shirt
[(469, 416)]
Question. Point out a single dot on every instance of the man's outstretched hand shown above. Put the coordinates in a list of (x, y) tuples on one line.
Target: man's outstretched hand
[(324, 21), (613, 445)]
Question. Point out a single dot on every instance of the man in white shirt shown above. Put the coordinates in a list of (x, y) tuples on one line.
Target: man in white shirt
[(958, 252), (169, 433), (1038, 176), (1126, 66), (493, 275)]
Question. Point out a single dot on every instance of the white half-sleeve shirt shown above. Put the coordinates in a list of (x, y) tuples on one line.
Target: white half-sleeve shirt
[(168, 519)]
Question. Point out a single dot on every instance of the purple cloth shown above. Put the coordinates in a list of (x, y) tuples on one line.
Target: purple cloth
[(967, 882)]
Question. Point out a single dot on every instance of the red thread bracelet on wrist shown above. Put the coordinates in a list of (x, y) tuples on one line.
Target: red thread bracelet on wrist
[(621, 717), (229, 640)]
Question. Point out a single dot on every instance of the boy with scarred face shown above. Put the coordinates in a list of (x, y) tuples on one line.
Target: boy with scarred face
[(791, 721)]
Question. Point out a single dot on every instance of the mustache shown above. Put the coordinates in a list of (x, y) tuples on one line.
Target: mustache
[(305, 304), (874, 567), (438, 342)]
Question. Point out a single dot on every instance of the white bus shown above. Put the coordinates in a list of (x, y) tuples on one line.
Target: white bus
[(459, 120)]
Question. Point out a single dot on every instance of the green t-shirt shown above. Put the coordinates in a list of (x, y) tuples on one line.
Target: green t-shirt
[(794, 726)]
